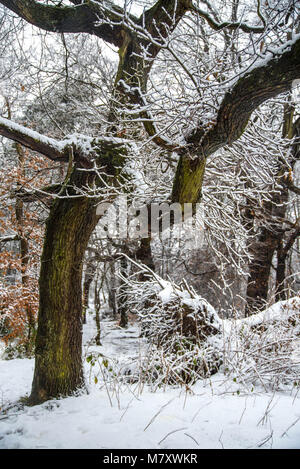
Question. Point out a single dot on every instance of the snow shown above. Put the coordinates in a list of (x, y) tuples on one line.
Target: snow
[(216, 414), (276, 312), (87, 144), (167, 293), (30, 133), (279, 311), (84, 142), (263, 61)]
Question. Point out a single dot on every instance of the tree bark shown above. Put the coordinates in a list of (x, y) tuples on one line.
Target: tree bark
[(91, 267), (263, 250), (270, 237), (97, 308), (122, 308), (58, 364), (282, 255)]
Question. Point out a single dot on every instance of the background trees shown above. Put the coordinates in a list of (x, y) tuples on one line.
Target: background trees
[(161, 121)]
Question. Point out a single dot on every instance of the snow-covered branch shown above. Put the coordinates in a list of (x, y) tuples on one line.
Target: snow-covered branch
[(47, 146), (255, 86)]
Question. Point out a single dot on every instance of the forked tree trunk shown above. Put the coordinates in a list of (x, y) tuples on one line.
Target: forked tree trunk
[(58, 364)]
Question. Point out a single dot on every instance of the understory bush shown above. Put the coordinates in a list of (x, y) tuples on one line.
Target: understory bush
[(187, 340)]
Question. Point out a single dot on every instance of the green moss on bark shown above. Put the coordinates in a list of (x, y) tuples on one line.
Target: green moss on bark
[(58, 367), (188, 180)]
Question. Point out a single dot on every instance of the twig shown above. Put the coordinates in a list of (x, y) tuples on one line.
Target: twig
[(202, 407), (157, 413), (170, 433), (294, 423), (127, 407), (266, 440), (243, 411), (190, 436), (220, 439)]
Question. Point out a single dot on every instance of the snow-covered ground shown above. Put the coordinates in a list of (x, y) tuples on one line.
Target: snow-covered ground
[(216, 414)]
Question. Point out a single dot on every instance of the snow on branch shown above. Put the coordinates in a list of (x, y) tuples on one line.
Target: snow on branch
[(267, 78), (47, 146), (83, 147), (228, 24)]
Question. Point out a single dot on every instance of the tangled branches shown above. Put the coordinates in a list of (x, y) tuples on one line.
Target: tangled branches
[(188, 341)]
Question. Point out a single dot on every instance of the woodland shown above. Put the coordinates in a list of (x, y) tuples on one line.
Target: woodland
[(172, 111)]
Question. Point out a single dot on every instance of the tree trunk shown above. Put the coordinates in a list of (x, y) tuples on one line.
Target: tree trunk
[(91, 267), (280, 274), (122, 309), (282, 255), (24, 253), (259, 271), (112, 290), (144, 253), (270, 237), (97, 310), (58, 364)]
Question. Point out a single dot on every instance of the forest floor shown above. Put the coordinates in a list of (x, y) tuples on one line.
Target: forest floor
[(216, 413)]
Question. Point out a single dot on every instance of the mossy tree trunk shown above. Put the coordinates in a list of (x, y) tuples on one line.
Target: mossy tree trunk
[(58, 364)]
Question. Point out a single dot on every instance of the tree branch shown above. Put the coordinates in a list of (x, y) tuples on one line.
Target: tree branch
[(143, 42), (292, 238), (268, 79), (38, 194), (290, 184), (7, 239), (33, 140), (229, 24), (102, 19)]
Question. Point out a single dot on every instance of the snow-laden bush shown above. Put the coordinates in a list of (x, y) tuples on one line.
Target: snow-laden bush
[(179, 326), (189, 341), (265, 347)]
